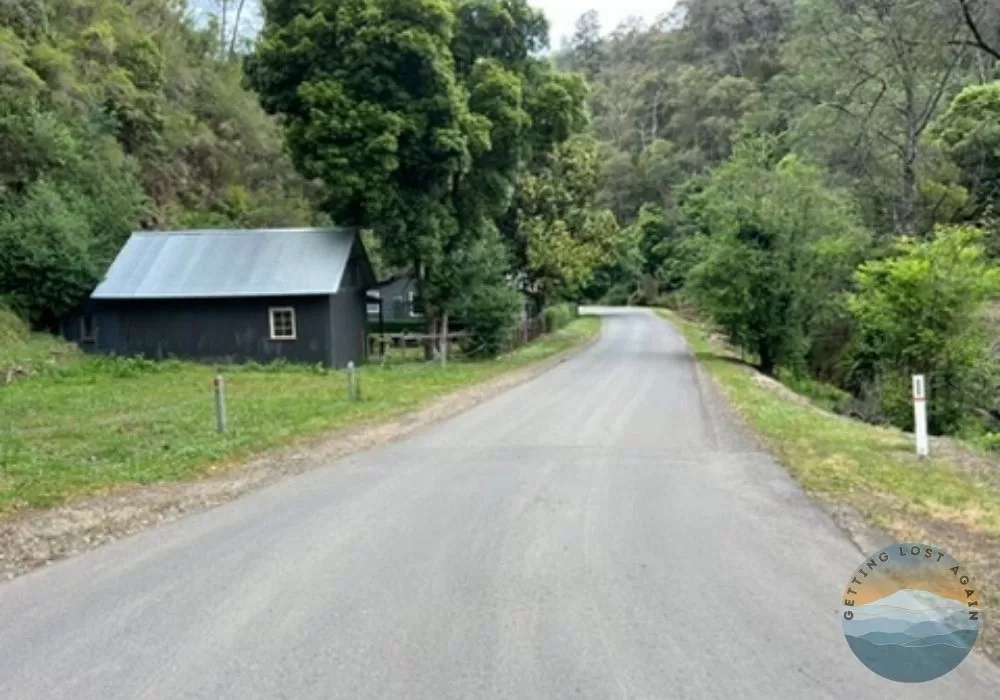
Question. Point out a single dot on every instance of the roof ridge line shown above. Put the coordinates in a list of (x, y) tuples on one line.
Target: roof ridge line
[(239, 231)]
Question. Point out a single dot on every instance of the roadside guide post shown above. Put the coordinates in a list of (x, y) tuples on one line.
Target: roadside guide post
[(920, 415), (220, 403), (352, 382)]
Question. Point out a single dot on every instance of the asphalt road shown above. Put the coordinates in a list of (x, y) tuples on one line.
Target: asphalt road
[(602, 532)]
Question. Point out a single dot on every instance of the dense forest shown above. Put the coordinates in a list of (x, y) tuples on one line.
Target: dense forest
[(818, 178), (116, 116)]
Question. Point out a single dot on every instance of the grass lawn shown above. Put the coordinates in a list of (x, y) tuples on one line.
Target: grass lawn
[(841, 461), (94, 423)]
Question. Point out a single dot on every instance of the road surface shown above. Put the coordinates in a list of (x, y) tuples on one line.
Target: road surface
[(602, 531)]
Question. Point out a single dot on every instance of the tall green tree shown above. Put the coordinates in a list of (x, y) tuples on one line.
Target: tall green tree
[(382, 121), (780, 246), (563, 235)]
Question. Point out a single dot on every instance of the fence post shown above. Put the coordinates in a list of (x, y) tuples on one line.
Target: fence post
[(220, 403), (920, 415), (352, 382)]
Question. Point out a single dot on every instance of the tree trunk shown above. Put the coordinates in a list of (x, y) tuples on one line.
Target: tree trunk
[(429, 349), (444, 338), (222, 28), (430, 318), (236, 29), (907, 215)]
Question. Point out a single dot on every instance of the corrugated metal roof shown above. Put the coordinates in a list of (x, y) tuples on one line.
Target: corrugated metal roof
[(228, 263)]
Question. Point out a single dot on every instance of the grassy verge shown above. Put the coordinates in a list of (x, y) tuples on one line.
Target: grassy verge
[(25, 354), (97, 423), (948, 500)]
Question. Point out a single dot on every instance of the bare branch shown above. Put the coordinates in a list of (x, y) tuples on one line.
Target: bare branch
[(978, 42), (236, 28), (924, 119)]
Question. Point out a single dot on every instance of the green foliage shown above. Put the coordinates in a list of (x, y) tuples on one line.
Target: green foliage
[(969, 133), (558, 316), (25, 354), (489, 314), (114, 423), (781, 244), (422, 126), (866, 110), (921, 311), (13, 329), (824, 395), (565, 236), (45, 260), (618, 274), (868, 129), (115, 117), (487, 305), (382, 121)]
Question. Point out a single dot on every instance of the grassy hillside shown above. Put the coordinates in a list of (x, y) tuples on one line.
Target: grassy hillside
[(24, 354), (117, 116)]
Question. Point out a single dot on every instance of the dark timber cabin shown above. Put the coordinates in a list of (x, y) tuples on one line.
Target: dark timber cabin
[(398, 300), (232, 296)]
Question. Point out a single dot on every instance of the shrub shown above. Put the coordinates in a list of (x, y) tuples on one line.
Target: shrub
[(13, 329), (489, 313), (618, 295), (558, 316), (922, 311)]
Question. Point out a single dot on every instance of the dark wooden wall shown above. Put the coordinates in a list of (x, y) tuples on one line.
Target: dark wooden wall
[(348, 321), (219, 330)]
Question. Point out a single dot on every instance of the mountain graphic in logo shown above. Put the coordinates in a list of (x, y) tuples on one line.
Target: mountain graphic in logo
[(911, 613)]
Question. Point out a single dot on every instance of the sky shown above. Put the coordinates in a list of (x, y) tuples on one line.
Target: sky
[(562, 14)]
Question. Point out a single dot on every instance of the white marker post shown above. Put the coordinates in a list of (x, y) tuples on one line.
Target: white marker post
[(220, 403), (920, 415)]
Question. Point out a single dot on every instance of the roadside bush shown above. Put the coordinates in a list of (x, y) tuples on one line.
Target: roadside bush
[(988, 441), (13, 329), (486, 303), (489, 314), (618, 295), (922, 311), (558, 316), (676, 301)]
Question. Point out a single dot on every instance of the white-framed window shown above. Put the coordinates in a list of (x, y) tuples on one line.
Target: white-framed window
[(373, 308), (88, 328), (416, 308), (282, 322)]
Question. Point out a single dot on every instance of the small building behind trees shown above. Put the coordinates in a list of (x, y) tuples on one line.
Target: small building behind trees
[(400, 302), (232, 296)]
